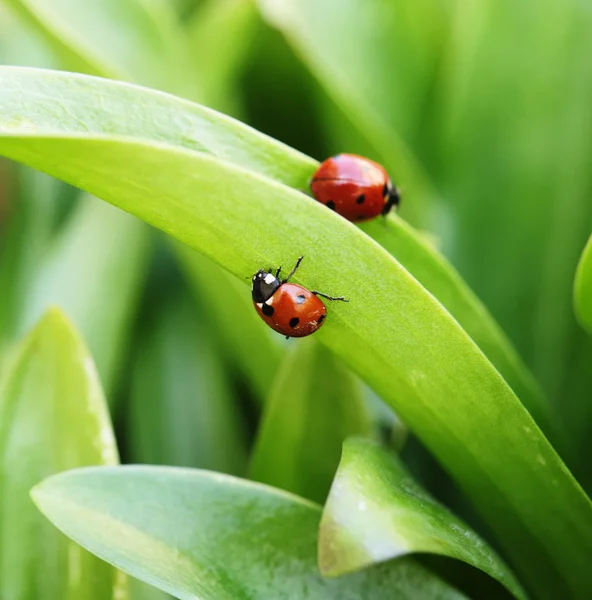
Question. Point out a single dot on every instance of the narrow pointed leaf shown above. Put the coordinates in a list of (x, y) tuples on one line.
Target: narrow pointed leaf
[(393, 332), (583, 288), (53, 417), (376, 512), (205, 536), (313, 405)]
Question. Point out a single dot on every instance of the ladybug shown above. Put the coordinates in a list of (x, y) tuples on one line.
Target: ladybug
[(287, 308), (355, 187)]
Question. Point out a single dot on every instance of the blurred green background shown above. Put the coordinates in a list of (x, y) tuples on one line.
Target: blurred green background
[(480, 110)]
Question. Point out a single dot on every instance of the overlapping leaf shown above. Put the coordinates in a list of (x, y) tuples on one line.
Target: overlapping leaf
[(203, 535), (393, 332)]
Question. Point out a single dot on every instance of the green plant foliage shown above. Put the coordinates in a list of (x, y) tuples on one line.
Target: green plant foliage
[(313, 405), (169, 119), (53, 417), (393, 333), (514, 169), (376, 512), (135, 40), (583, 288), (108, 250), (182, 406), (248, 342), (354, 49), (203, 535), (428, 266)]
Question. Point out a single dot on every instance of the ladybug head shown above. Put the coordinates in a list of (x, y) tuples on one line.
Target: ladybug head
[(263, 286), (393, 198)]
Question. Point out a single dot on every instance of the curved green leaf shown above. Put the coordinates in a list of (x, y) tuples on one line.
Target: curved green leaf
[(432, 270), (182, 409), (583, 288), (393, 333), (313, 405), (376, 512), (53, 417), (52, 103), (205, 536)]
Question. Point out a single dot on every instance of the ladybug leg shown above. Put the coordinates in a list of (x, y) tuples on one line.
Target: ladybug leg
[(287, 337), (294, 269), (277, 273), (329, 297)]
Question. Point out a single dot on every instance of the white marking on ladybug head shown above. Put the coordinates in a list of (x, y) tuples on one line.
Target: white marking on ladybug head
[(269, 301), (269, 278), (259, 305)]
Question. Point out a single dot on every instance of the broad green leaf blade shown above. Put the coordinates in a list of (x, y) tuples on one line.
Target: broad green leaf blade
[(53, 417), (107, 250), (393, 333), (244, 336), (135, 40), (166, 118), (183, 411), (313, 405), (205, 536), (376, 512), (583, 288)]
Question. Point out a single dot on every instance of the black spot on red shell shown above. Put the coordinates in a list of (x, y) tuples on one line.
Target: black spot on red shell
[(362, 217), (385, 190), (294, 322), (361, 199), (267, 310), (300, 299), (331, 204)]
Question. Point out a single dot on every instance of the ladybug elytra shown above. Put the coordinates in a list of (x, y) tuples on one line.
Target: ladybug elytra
[(355, 187), (287, 308)]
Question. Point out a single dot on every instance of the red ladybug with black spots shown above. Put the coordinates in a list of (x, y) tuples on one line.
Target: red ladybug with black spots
[(354, 187), (287, 308)]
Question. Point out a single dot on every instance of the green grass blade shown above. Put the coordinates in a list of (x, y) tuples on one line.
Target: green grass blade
[(313, 405), (393, 333), (53, 417), (197, 534), (376, 512), (182, 407), (583, 288)]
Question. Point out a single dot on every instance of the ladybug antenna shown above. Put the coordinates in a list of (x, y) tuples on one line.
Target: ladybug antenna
[(295, 268)]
